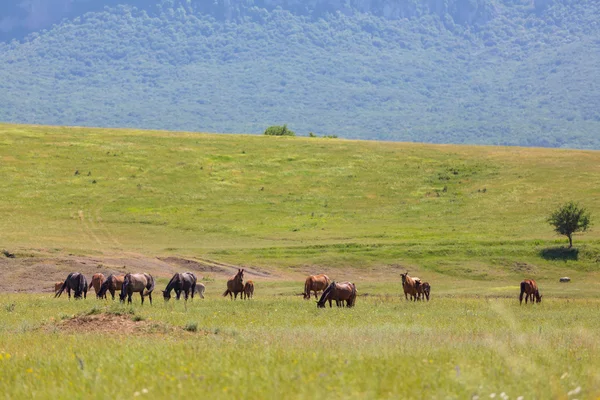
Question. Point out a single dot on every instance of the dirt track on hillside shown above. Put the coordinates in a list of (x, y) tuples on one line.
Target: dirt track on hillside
[(37, 273)]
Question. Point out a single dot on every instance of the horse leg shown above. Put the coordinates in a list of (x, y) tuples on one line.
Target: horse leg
[(112, 293)]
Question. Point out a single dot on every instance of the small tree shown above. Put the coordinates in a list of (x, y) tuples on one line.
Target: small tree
[(276, 130), (568, 219)]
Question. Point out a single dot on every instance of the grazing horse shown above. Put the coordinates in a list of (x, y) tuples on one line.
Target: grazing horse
[(111, 284), (423, 290), (76, 282), (410, 286), (181, 282), (137, 283), (200, 288), (340, 292), (315, 283), (530, 289), (58, 285), (235, 285), (248, 290), (96, 282)]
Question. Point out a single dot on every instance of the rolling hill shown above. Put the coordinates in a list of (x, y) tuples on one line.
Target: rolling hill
[(290, 202)]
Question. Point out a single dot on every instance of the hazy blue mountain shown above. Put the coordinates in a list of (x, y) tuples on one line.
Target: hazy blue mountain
[(517, 72)]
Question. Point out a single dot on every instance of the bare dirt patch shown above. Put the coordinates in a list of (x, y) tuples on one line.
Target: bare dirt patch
[(116, 324)]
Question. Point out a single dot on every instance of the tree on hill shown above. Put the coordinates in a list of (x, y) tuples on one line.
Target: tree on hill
[(568, 219), (277, 130)]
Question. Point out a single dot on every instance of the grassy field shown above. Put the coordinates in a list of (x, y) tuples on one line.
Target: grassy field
[(470, 220), (284, 347)]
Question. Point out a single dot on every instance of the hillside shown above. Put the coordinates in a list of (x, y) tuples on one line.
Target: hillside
[(506, 72), (291, 202)]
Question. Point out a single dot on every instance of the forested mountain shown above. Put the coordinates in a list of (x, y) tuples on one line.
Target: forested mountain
[(517, 72)]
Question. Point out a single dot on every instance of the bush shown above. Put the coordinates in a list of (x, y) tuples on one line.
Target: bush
[(277, 130)]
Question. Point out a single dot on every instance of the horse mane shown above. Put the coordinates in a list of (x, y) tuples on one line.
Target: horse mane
[(326, 293), (171, 284)]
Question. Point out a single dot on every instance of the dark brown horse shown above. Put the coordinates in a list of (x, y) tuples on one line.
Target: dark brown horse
[(340, 292), (315, 283), (96, 283), (181, 282), (410, 287), (248, 290), (235, 285), (530, 289), (111, 284), (423, 290), (137, 283), (75, 281)]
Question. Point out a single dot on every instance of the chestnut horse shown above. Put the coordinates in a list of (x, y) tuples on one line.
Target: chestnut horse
[(423, 290), (111, 284), (137, 283), (184, 282), (235, 285), (340, 292), (530, 289), (410, 287), (96, 282), (248, 290), (57, 286), (315, 283), (75, 281)]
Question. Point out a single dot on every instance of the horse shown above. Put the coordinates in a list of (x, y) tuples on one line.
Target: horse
[(530, 289), (316, 283), (96, 282), (200, 288), (410, 287), (181, 282), (111, 284), (58, 285), (75, 281), (423, 290), (340, 292), (235, 285), (248, 290), (137, 283)]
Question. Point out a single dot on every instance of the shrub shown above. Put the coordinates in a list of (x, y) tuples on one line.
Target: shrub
[(277, 130)]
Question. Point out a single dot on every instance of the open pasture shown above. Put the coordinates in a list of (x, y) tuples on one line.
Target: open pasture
[(278, 346), (470, 220)]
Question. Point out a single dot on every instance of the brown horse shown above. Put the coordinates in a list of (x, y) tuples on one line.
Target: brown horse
[(423, 290), (340, 292), (235, 285), (58, 285), (137, 283), (96, 283), (111, 284), (530, 289), (410, 287), (248, 290), (315, 283), (75, 281)]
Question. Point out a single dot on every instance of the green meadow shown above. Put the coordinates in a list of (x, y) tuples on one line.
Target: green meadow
[(471, 220)]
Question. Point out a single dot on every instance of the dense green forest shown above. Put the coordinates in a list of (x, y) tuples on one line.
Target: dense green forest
[(515, 72)]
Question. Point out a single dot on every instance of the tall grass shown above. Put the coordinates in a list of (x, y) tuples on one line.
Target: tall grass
[(274, 347)]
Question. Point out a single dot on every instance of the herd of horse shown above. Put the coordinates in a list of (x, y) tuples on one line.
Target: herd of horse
[(344, 293)]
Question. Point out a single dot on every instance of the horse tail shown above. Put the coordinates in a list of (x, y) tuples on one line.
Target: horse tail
[(225, 293), (352, 296), (151, 284)]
